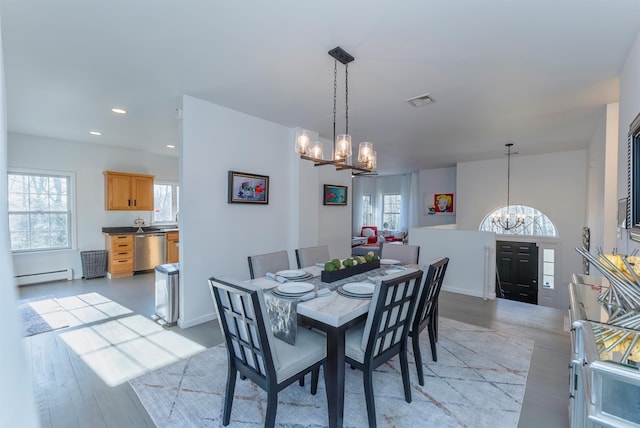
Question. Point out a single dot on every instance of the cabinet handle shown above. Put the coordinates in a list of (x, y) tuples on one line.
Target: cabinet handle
[(123, 245), (122, 253), (135, 202), (121, 237), (123, 261), (128, 202)]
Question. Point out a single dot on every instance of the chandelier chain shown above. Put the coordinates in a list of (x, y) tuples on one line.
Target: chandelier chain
[(335, 88), (346, 97)]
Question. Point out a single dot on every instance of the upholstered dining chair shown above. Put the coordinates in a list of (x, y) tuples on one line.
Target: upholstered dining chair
[(261, 264), (384, 333), (255, 353), (311, 255), (407, 254), (426, 312)]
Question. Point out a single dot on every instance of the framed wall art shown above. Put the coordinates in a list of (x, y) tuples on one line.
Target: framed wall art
[(442, 203), (334, 195), (247, 188)]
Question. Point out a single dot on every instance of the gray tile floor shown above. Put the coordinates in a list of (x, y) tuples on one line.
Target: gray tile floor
[(69, 393)]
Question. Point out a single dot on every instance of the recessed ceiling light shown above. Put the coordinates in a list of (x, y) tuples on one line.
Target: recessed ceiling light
[(421, 100), (171, 146), (119, 111), (95, 133)]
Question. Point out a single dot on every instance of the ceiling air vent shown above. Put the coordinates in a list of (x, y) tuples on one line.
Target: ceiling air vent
[(421, 100)]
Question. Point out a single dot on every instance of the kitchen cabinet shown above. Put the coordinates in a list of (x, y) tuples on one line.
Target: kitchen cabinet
[(120, 255), (128, 192), (173, 253)]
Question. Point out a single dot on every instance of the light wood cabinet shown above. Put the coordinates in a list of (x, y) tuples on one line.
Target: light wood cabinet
[(173, 253), (128, 192), (120, 253)]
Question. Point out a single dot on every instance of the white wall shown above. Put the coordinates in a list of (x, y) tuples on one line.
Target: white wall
[(87, 162), (216, 237), (629, 109), (17, 404), (433, 181), (554, 183), (596, 166), (471, 269)]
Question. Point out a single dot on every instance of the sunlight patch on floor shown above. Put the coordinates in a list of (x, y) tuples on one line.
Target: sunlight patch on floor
[(120, 349)]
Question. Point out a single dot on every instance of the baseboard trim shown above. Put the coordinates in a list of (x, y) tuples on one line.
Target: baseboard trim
[(199, 320)]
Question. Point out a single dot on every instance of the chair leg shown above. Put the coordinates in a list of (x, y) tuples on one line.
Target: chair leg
[(367, 375), (301, 381), (404, 368), (432, 340), (228, 398), (315, 374), (415, 340), (434, 320), (272, 407)]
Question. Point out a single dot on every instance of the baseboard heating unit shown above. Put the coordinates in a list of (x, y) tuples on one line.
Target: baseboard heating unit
[(34, 278)]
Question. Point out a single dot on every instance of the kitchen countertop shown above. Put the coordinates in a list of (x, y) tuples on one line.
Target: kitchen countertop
[(126, 230)]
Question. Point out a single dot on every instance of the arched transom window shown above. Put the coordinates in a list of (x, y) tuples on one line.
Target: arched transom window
[(532, 222)]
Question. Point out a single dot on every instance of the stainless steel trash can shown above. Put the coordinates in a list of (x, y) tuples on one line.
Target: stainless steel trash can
[(167, 287)]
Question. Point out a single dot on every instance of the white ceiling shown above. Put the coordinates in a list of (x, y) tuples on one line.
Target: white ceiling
[(536, 73)]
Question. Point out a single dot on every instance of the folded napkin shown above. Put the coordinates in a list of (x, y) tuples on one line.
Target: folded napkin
[(313, 294), (275, 277)]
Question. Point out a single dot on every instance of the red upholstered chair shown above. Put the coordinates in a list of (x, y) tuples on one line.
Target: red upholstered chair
[(370, 239)]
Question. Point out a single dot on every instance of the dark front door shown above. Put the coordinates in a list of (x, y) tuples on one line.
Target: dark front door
[(517, 271)]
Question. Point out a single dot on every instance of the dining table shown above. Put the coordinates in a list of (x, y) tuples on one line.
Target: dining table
[(334, 314)]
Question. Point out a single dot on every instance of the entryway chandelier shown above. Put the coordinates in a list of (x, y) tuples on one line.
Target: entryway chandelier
[(503, 219), (313, 151)]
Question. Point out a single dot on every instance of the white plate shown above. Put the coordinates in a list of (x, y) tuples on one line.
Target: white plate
[(291, 273), (295, 288), (389, 262), (394, 271), (359, 288)]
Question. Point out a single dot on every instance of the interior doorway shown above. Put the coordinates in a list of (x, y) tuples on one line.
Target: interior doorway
[(517, 271)]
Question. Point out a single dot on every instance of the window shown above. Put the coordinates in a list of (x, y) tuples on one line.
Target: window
[(535, 222), (391, 210), (548, 268), (367, 211), (39, 211), (165, 202)]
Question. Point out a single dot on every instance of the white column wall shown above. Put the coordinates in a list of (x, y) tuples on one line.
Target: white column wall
[(216, 237), (629, 109), (17, 404)]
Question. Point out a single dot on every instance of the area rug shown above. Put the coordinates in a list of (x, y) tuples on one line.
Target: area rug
[(478, 381), (41, 315)]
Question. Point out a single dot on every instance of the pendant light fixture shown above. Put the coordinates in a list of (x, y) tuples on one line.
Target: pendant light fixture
[(342, 151), (504, 220)]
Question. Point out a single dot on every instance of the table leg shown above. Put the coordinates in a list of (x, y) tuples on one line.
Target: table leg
[(335, 376)]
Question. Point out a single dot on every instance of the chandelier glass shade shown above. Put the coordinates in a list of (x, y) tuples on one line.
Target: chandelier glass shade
[(505, 219), (342, 147)]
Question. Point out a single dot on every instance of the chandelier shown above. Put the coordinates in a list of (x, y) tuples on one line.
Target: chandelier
[(503, 219), (313, 151)]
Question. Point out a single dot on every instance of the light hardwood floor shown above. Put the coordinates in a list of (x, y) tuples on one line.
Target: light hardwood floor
[(70, 394)]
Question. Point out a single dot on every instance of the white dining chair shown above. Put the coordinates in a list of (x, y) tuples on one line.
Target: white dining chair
[(261, 264), (255, 353), (311, 255), (406, 254), (384, 334)]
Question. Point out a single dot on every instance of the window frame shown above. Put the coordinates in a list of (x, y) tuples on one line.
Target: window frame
[(398, 214), (71, 206), (175, 205), (370, 213)]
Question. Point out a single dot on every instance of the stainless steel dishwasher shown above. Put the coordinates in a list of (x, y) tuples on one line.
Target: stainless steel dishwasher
[(150, 251)]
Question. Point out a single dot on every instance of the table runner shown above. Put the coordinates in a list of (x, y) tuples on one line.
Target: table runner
[(283, 312)]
